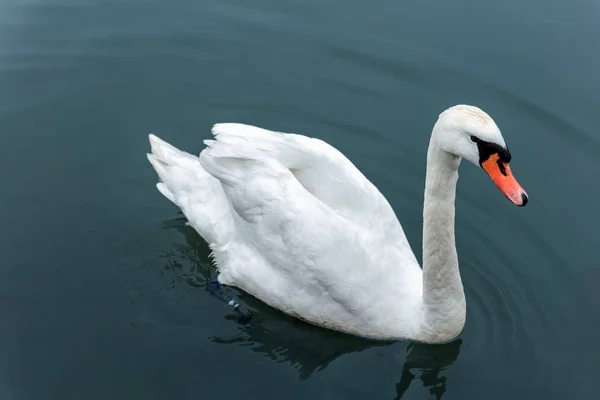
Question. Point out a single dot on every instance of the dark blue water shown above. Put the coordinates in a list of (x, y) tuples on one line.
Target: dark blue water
[(102, 284)]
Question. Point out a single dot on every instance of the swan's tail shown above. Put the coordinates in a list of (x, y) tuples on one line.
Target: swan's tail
[(166, 159), (200, 196)]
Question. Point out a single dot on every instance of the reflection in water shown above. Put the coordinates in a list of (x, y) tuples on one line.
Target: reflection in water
[(430, 360), (195, 253), (285, 339)]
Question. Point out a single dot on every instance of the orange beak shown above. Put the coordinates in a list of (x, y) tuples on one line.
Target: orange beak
[(503, 178)]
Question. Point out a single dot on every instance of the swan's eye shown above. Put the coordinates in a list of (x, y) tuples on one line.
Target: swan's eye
[(474, 139)]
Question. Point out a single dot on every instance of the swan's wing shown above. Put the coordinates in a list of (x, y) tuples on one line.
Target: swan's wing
[(293, 252), (294, 223), (323, 170)]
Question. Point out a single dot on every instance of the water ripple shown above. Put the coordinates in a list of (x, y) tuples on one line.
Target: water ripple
[(441, 73)]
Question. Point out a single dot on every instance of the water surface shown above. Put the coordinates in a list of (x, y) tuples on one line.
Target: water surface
[(102, 284)]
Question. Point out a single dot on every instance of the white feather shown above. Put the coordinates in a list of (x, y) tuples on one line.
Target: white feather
[(293, 222)]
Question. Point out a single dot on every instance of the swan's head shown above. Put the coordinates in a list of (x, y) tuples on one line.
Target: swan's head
[(468, 132)]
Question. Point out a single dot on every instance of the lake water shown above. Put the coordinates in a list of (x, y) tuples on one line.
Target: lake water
[(102, 284)]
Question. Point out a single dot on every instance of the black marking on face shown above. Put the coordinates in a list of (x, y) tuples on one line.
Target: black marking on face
[(486, 149), (501, 167)]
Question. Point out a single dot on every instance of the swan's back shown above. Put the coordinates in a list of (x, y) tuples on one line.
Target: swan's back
[(292, 221)]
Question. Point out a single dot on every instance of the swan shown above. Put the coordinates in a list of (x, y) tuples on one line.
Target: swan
[(291, 221)]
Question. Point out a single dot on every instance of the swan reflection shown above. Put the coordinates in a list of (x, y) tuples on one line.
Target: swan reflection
[(306, 348), (428, 361)]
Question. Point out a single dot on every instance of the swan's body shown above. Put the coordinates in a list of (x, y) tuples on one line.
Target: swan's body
[(293, 222)]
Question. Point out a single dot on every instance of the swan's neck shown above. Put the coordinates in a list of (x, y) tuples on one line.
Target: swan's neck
[(443, 295)]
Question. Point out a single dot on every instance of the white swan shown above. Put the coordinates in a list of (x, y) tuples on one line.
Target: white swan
[(293, 222)]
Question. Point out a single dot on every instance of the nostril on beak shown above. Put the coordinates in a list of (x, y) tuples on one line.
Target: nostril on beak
[(524, 198)]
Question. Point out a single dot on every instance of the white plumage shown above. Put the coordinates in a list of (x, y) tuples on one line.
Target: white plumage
[(293, 222)]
